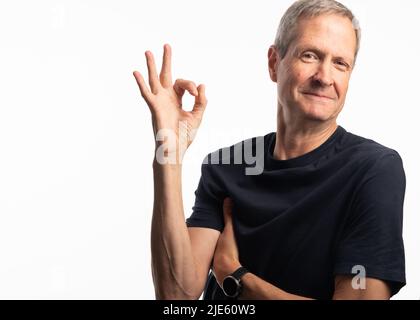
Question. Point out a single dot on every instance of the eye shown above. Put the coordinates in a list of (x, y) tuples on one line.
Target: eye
[(309, 56), (342, 64)]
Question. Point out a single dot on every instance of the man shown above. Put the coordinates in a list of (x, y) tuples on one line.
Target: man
[(323, 218)]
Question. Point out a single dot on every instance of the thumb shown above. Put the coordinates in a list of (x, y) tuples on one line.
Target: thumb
[(227, 211)]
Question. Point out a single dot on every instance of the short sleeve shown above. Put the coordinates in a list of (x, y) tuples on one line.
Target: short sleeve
[(208, 206), (372, 237)]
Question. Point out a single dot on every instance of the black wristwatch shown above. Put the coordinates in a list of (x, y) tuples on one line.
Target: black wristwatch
[(232, 284)]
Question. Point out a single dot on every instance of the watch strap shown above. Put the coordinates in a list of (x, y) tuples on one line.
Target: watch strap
[(238, 273)]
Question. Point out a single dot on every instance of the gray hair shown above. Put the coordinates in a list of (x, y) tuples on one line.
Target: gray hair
[(286, 31)]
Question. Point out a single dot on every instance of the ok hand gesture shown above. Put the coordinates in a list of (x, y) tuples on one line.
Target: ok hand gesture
[(164, 99)]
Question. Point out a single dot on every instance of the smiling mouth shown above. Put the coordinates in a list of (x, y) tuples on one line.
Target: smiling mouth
[(316, 96)]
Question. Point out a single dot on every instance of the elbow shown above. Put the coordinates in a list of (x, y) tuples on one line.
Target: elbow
[(174, 294), (176, 297), (172, 291), (170, 288)]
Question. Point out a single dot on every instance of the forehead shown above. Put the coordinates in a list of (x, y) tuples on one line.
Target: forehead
[(330, 33)]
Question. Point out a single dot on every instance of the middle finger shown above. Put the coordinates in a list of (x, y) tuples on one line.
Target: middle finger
[(165, 73)]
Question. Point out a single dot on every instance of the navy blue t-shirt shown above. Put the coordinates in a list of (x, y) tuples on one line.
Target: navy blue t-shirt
[(337, 209)]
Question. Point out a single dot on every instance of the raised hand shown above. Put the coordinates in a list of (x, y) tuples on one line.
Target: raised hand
[(164, 99)]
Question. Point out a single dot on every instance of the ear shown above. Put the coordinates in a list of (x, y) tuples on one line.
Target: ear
[(273, 60)]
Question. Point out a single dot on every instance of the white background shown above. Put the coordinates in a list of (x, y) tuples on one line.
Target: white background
[(76, 142)]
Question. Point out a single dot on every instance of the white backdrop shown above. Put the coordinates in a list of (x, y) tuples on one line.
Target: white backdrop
[(76, 142)]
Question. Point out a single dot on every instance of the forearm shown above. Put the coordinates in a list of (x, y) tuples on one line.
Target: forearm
[(255, 288), (173, 266)]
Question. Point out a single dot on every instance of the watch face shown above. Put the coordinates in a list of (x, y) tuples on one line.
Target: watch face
[(230, 286)]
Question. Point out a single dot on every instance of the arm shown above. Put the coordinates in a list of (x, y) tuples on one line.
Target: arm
[(375, 289), (226, 261), (256, 288), (180, 257)]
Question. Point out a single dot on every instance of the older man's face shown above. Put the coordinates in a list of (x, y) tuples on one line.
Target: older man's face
[(314, 75)]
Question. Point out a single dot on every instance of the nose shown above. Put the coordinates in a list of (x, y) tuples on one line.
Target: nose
[(323, 77)]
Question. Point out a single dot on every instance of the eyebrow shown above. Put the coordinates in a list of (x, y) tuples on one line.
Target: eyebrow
[(319, 52)]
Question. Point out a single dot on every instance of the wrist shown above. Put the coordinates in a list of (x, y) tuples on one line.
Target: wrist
[(232, 285), (165, 154), (229, 268), (156, 165), (223, 267)]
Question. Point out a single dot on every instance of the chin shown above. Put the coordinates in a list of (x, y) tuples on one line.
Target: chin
[(319, 112)]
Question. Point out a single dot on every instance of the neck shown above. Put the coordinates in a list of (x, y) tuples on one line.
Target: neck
[(296, 138)]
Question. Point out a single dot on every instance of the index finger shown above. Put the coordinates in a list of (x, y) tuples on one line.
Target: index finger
[(165, 73)]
